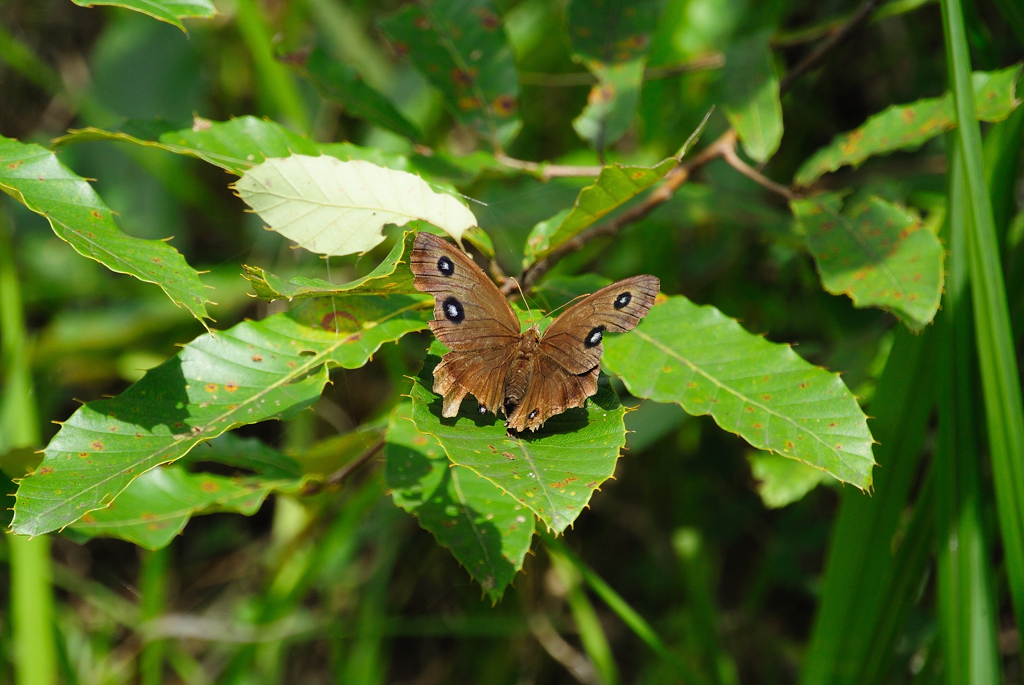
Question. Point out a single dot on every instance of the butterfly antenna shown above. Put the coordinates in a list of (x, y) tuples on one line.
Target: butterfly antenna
[(563, 306), (524, 299)]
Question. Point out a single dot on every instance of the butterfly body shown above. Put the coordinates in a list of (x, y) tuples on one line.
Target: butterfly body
[(526, 375)]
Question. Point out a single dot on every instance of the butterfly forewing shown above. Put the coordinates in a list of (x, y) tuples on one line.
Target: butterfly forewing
[(471, 317), (574, 338), (470, 312)]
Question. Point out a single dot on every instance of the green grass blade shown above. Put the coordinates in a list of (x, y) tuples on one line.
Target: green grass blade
[(626, 613), (31, 592), (278, 88), (861, 566), (1000, 380), (153, 591), (588, 625), (692, 552), (966, 604)]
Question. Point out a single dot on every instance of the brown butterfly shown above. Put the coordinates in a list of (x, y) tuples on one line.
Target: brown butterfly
[(529, 377)]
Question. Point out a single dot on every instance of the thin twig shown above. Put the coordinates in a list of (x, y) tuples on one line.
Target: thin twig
[(750, 172), (711, 60), (675, 178), (339, 476), (547, 171), (862, 14), (561, 651)]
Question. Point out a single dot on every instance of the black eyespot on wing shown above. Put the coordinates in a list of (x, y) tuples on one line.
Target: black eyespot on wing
[(594, 337), (453, 310), (622, 300), (533, 414), (445, 266)]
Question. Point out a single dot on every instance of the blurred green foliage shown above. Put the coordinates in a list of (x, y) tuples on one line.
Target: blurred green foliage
[(701, 561)]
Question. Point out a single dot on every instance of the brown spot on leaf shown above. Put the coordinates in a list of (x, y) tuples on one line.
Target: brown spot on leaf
[(504, 105), (257, 358)]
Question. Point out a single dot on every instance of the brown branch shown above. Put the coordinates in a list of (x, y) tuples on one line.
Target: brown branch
[(753, 174), (862, 14), (342, 474), (724, 147), (662, 194)]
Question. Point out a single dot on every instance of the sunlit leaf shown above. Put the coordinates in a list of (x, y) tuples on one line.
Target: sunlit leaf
[(876, 253), (234, 145), (342, 83), (337, 208), (616, 185), (908, 126), (763, 392), (171, 11), (33, 176), (255, 371), (461, 48), (750, 88), (554, 471), (782, 481), (487, 531), (611, 37), (390, 277), (155, 507)]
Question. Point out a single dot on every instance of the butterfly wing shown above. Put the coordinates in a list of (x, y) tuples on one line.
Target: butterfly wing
[(551, 391), (471, 317), (574, 338), (568, 359)]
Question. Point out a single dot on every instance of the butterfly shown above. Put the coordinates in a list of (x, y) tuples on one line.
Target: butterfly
[(527, 376)]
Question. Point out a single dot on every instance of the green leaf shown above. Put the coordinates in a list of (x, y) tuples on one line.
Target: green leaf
[(750, 89), (782, 481), (337, 208), (234, 145), (611, 37), (616, 185), (761, 391), (554, 471), (171, 11), (461, 48), (252, 372), (488, 532), (250, 454), (33, 176), (342, 83), (908, 126), (877, 253), (155, 507), (392, 276), (611, 104)]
